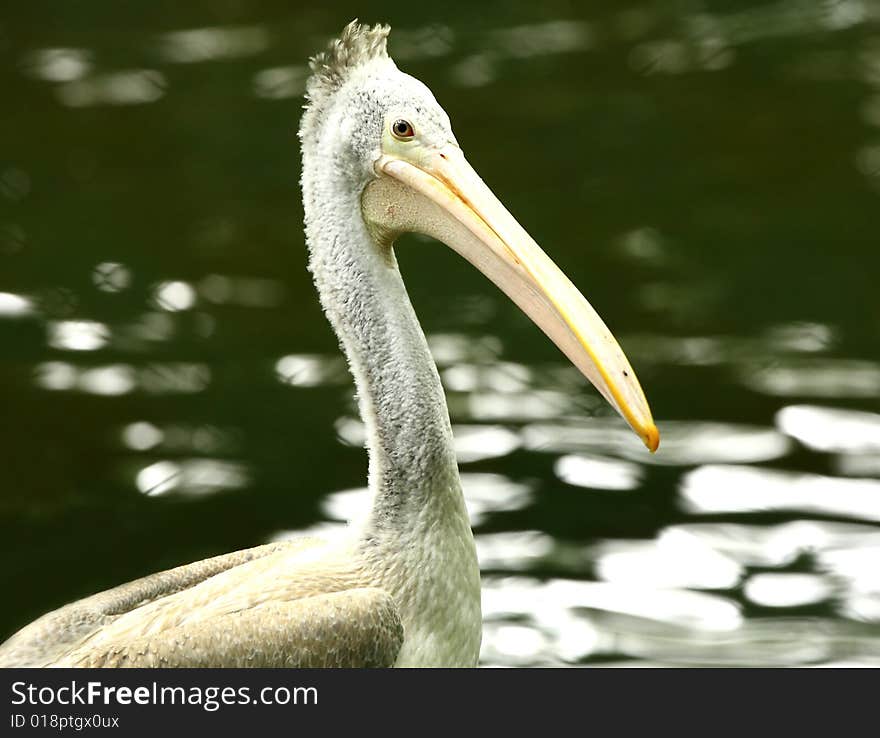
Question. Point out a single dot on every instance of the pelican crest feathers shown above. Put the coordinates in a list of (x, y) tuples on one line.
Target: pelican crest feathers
[(357, 45)]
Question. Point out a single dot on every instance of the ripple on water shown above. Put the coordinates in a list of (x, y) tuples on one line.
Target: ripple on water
[(683, 443), (15, 306), (788, 590), (174, 296), (278, 83), (120, 379), (346, 504), (323, 530), (776, 20), (457, 348), (125, 87), (857, 567), (528, 621), (525, 406), (485, 494), (676, 559), (596, 472), (179, 438), (311, 370), (430, 41), (471, 442), (58, 64), (481, 442), (496, 377), (748, 353), (77, 335), (531, 550), (514, 550), (829, 429), (756, 642), (741, 489), (191, 477), (852, 435), (60, 376), (153, 326), (538, 39), (116, 379), (857, 465), (488, 494), (543, 600), (212, 43), (778, 545), (804, 377), (141, 436), (225, 289), (111, 276)]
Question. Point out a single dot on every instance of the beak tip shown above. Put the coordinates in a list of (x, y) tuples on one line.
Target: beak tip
[(651, 438)]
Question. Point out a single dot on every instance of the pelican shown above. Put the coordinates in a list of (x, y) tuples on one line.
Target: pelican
[(402, 587)]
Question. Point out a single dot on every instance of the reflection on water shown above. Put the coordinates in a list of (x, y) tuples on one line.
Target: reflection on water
[(684, 443), (554, 37), (126, 87), (749, 354), (675, 559), (826, 378), (77, 335), (787, 590), (529, 621), (179, 438), (223, 289), (780, 545), (597, 473), (210, 44), (141, 436), (160, 336), (119, 379), (781, 18), (174, 296), (13, 306), (111, 276), (519, 550), (190, 477), (310, 371), (734, 488), (486, 494), (480, 442), (58, 65), (563, 621), (831, 429), (278, 83), (535, 405)]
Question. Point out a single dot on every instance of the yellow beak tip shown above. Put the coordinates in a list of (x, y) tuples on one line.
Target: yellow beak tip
[(651, 437)]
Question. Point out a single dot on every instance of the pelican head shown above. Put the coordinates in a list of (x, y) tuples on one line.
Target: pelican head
[(391, 151)]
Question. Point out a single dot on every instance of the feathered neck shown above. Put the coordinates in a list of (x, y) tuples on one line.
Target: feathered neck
[(409, 438)]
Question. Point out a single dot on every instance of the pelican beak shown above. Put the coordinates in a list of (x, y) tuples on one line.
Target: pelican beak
[(439, 194)]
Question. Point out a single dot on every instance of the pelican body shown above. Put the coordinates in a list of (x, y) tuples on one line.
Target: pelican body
[(402, 587)]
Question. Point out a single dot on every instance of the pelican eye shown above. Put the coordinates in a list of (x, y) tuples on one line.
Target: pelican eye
[(402, 129)]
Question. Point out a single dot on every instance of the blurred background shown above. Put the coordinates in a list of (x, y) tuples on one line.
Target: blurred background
[(707, 172)]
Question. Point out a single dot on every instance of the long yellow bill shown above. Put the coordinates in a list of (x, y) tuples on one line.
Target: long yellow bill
[(439, 194)]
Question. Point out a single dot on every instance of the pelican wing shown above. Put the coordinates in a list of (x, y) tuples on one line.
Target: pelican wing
[(349, 629), (50, 637)]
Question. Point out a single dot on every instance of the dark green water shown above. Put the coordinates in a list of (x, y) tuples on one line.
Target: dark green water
[(707, 172)]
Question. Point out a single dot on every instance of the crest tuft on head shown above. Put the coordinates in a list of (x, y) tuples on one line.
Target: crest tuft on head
[(357, 45)]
